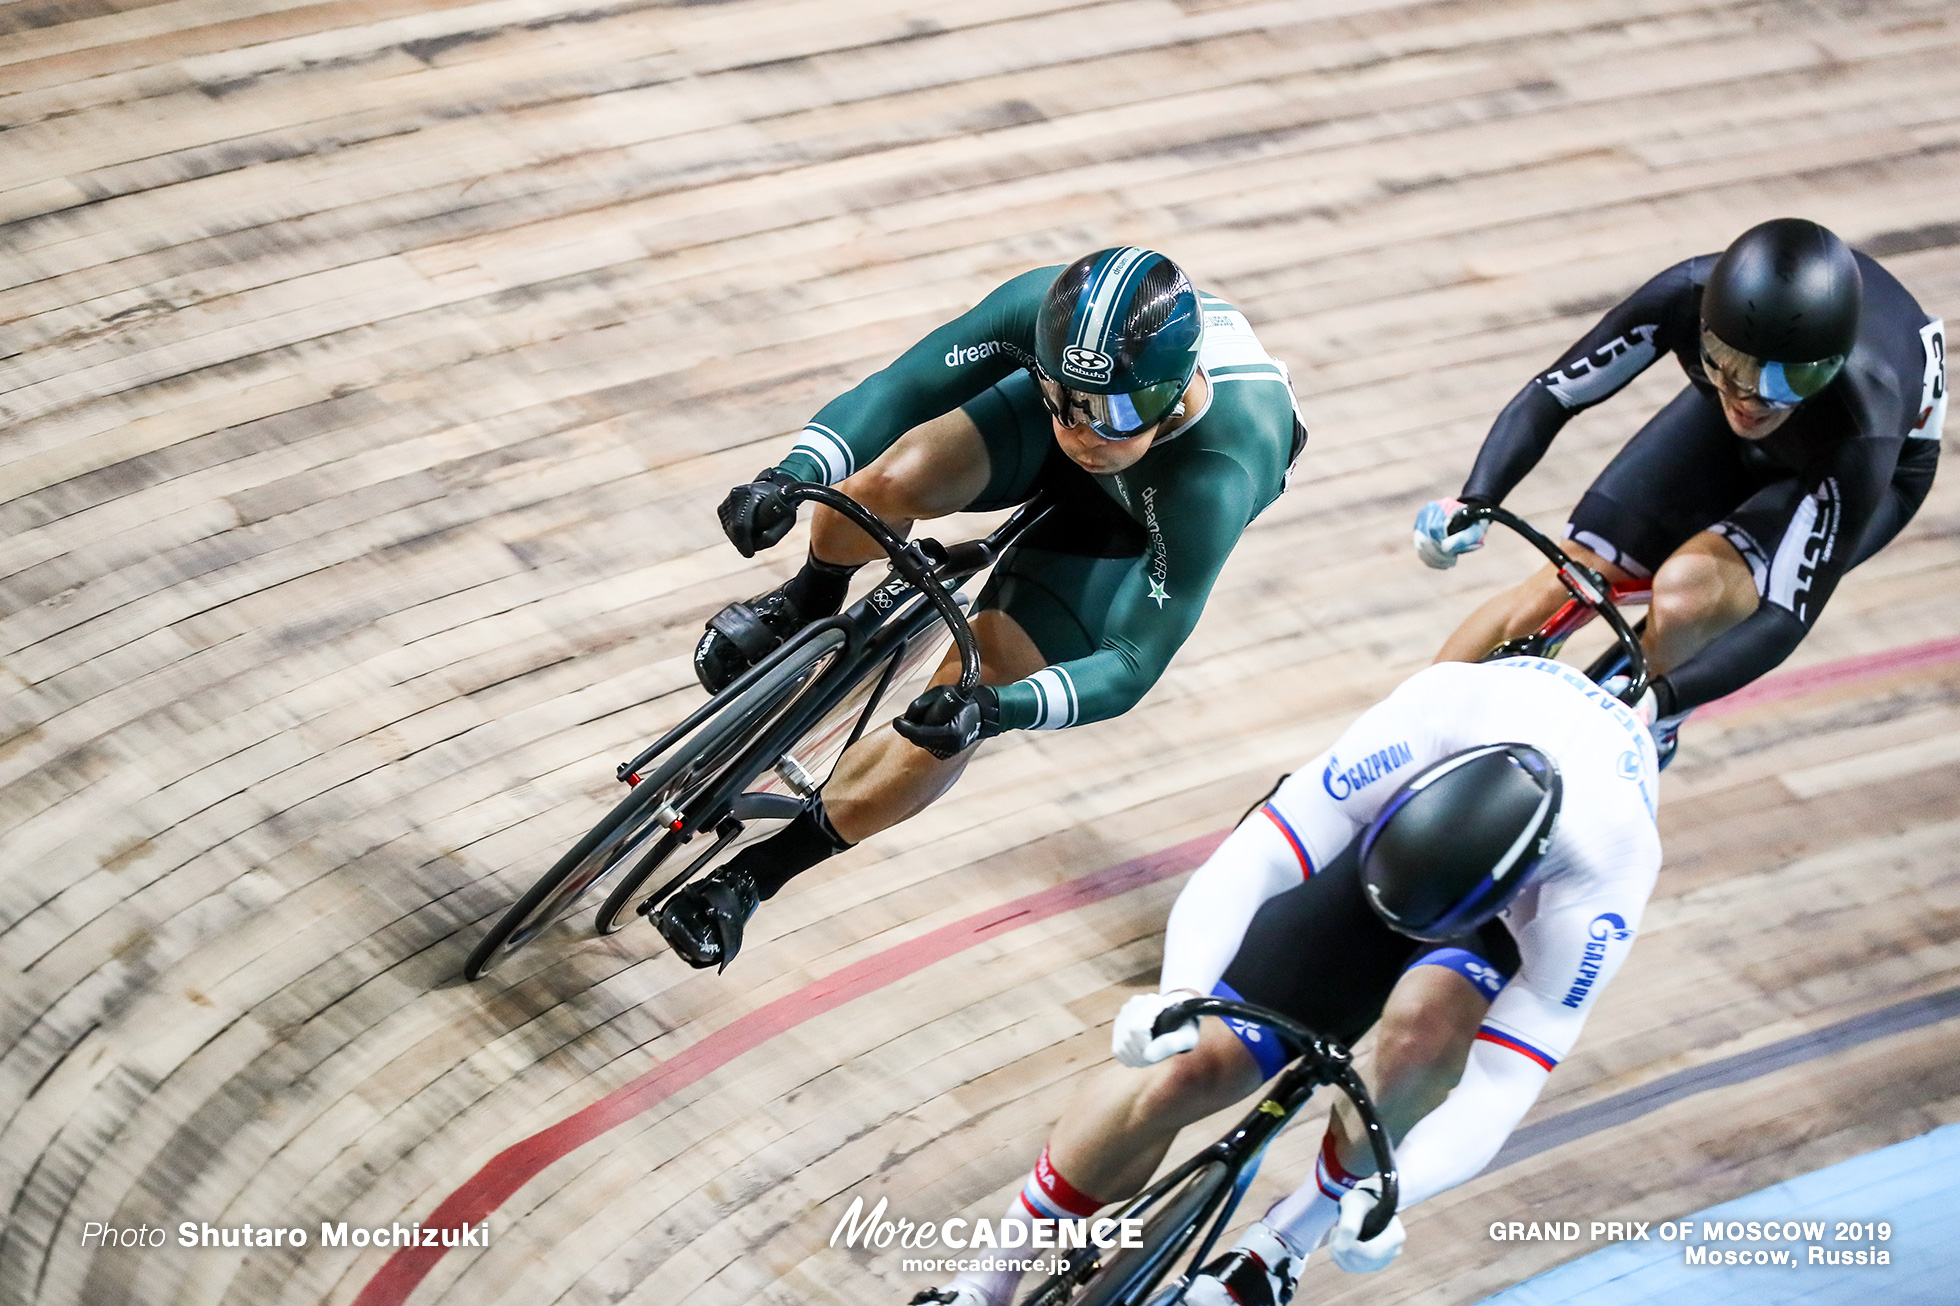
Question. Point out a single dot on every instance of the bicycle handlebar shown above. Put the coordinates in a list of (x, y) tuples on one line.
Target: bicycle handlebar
[(1581, 581), (912, 562), (1332, 1063)]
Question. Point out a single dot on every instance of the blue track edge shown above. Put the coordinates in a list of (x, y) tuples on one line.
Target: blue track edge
[(1914, 1185)]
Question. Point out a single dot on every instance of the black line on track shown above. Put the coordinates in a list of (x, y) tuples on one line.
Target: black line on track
[(1623, 1108)]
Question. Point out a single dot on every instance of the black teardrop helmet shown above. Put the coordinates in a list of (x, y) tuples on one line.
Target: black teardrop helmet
[(1787, 291), (1456, 842)]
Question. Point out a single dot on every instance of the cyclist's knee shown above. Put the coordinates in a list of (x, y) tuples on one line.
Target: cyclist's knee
[(1007, 652), (1544, 593), (886, 489), (1534, 601), (1700, 586), (1407, 1047), (1213, 1075), (935, 468), (1425, 1033)]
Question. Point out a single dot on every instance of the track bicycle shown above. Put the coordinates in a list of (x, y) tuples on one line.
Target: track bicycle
[(1591, 596), (1188, 1209), (762, 747)]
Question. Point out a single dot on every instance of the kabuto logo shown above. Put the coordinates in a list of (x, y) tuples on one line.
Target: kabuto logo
[(1084, 364), (1607, 927)]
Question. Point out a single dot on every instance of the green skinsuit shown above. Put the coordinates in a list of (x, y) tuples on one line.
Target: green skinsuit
[(1111, 583)]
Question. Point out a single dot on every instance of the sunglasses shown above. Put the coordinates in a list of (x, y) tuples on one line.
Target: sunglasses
[(1774, 385), (1113, 417)]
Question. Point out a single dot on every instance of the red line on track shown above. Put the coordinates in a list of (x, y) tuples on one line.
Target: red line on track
[(1789, 684), (517, 1164)]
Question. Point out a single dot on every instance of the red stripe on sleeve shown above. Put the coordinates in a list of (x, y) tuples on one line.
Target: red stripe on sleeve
[(1299, 849), (1517, 1045)]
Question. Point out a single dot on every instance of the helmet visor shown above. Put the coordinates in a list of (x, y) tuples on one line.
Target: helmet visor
[(1113, 417), (1779, 385)]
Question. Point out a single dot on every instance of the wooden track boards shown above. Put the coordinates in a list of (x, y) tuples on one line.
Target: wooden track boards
[(368, 373)]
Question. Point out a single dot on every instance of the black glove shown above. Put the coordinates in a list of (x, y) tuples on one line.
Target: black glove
[(944, 721), (756, 515)]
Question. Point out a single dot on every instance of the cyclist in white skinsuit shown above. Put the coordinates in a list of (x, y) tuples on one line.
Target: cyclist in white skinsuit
[(1278, 916)]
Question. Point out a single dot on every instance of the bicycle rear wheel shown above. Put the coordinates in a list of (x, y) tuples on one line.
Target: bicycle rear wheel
[(809, 759), (692, 766), (1130, 1274), (708, 773)]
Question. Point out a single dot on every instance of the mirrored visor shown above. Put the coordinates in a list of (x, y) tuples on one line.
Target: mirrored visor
[(1780, 385), (1113, 417)]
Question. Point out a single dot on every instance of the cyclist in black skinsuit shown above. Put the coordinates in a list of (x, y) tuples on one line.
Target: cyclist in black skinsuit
[(1805, 440)]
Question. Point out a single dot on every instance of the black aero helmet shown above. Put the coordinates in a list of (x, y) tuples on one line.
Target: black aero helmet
[(1456, 842), (1781, 306), (1116, 341)]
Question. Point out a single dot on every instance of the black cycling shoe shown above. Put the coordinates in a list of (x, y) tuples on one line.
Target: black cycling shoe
[(741, 635), (703, 921)]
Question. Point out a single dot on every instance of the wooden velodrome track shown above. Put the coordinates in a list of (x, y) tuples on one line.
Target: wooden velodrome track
[(371, 369)]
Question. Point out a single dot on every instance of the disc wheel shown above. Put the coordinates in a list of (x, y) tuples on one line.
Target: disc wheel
[(690, 767)]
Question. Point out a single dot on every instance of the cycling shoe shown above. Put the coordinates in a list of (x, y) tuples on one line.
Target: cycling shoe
[(741, 635), (703, 921)]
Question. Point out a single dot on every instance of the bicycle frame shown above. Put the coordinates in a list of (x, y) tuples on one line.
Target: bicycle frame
[(875, 629), (1590, 594), (1317, 1063)]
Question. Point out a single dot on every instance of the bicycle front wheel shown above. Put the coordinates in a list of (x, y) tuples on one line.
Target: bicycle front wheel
[(645, 817), (1128, 1276)]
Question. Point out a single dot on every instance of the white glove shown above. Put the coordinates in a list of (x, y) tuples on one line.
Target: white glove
[(1349, 1252), (1644, 709), (1131, 1039), (1434, 544)]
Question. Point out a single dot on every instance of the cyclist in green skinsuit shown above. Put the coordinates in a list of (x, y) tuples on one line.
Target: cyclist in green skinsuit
[(1152, 417)]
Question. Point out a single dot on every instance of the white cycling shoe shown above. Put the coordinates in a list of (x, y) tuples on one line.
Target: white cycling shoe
[(1259, 1270)]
